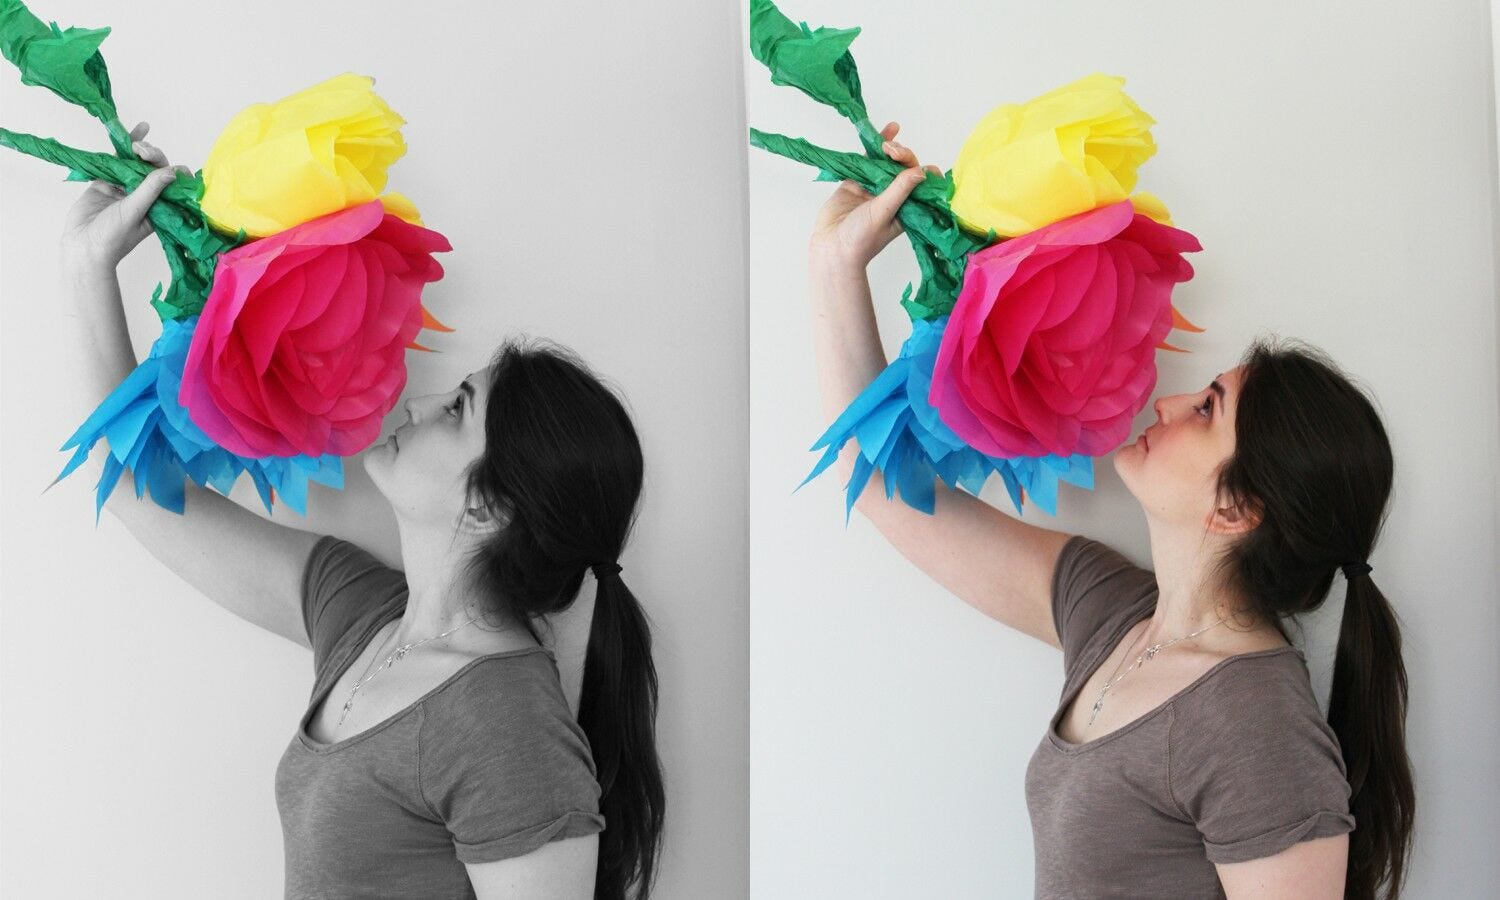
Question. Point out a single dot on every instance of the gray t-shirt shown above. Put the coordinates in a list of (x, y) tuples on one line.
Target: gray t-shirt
[(489, 764), (1237, 765)]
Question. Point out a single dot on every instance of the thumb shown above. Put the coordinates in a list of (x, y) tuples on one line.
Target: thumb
[(138, 202), (886, 204)]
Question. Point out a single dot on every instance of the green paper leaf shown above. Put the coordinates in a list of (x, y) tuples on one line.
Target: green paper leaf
[(65, 61), (816, 62)]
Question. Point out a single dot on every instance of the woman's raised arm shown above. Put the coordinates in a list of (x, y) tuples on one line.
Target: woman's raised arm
[(996, 563), (247, 564)]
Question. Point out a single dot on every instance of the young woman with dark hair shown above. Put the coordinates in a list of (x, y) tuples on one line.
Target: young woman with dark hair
[(1188, 756), (438, 756)]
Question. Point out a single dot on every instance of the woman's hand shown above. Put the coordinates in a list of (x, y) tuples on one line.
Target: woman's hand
[(105, 224), (854, 225)]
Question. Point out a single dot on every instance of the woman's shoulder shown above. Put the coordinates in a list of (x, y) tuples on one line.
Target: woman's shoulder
[(1275, 670), (517, 689), (1262, 698)]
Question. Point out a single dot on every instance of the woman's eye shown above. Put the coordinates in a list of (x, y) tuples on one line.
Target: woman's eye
[(453, 407), (1207, 407)]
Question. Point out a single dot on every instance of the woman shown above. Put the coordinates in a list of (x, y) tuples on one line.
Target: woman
[(438, 756), (1206, 770)]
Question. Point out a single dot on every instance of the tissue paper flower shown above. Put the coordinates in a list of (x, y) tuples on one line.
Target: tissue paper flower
[(300, 349), (1072, 149), (149, 433), (1051, 347), (320, 150), (899, 433)]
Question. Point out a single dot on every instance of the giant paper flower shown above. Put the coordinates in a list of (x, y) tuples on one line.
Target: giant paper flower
[(320, 150), (300, 349), (1073, 149), (1051, 347)]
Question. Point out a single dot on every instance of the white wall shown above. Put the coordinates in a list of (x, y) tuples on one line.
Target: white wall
[(1336, 161), (587, 162)]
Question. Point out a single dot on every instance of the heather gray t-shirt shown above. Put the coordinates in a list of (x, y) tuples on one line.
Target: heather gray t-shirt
[(1237, 765), (490, 764)]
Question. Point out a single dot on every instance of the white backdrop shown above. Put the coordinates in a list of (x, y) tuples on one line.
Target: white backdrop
[(587, 162), (1336, 162)]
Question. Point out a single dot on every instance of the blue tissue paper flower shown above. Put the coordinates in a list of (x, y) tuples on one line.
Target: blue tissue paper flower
[(899, 433), (150, 434)]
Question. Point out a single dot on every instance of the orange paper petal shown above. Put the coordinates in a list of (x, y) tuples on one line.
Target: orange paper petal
[(1179, 321), (429, 321)]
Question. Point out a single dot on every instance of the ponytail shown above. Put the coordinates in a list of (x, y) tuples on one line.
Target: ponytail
[(1367, 710), (617, 710)]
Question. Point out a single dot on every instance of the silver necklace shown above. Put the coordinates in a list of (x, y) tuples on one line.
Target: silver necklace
[(1148, 653), (396, 654)]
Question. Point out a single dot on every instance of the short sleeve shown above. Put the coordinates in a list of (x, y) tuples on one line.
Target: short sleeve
[(1092, 585), (1253, 763), (502, 763), (342, 585)]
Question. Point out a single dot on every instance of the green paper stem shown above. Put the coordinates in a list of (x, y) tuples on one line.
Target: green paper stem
[(68, 63), (940, 245), (818, 63), (192, 247)]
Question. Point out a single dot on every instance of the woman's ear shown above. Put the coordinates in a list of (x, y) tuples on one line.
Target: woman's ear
[(480, 518), (1236, 517)]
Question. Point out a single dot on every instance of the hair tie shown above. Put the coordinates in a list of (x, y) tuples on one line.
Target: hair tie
[(1350, 570), (605, 570)]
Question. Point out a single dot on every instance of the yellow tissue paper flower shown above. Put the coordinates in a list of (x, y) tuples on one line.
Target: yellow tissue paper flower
[(1072, 149), (323, 149)]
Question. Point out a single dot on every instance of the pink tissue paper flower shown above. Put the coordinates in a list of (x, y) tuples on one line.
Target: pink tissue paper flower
[(300, 348), (1051, 345)]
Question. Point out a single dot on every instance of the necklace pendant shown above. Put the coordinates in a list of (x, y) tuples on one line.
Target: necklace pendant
[(1151, 652), (400, 652)]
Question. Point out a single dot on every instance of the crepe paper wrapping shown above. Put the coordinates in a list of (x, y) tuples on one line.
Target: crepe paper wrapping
[(939, 244), (190, 245), (301, 346), (1051, 347), (320, 150), (901, 435), (150, 434), (65, 61), (1070, 150)]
